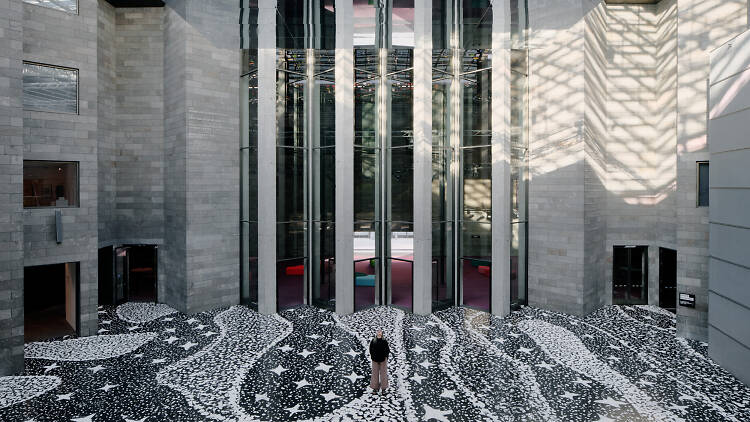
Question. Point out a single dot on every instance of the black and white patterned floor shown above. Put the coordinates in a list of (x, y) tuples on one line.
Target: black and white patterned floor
[(150, 363)]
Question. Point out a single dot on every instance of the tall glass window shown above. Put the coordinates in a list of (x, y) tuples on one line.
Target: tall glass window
[(519, 146), (249, 179)]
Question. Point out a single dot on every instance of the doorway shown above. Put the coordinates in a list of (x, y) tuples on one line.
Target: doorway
[(50, 300), (668, 279), (135, 274), (630, 275)]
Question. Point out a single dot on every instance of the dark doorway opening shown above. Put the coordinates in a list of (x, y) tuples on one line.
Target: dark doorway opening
[(630, 275), (136, 273), (106, 291), (668, 279), (50, 301)]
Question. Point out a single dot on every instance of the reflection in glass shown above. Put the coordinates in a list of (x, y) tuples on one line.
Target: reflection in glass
[(477, 106), (324, 269), (476, 264), (477, 184), (50, 88), (401, 264), (442, 265), (290, 283), (249, 180), (50, 184), (477, 24), (292, 31), (366, 263)]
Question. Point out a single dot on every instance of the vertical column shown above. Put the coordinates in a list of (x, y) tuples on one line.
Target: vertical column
[(500, 300), (344, 74), (11, 188), (422, 157), (267, 156)]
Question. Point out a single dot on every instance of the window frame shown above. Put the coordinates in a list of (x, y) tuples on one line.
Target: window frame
[(698, 185), (78, 88), (76, 13), (77, 183)]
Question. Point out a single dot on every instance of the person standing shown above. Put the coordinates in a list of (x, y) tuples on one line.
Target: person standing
[(379, 352)]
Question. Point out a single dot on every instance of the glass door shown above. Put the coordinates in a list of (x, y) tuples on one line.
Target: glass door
[(630, 275), (122, 274)]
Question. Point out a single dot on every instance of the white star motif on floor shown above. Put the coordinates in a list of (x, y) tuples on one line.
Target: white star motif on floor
[(262, 396), (102, 330), (545, 365), (326, 323), (612, 346), (188, 345), (134, 327), (64, 396), (305, 353), (650, 373), (313, 336), (330, 396), (648, 318), (431, 323), (353, 377), (437, 414), (604, 418), (209, 334), (500, 340), (417, 328), (433, 338), (302, 383), (191, 321), (334, 343), (351, 353), (278, 370), (135, 420), (587, 336), (525, 350), (426, 364), (582, 382), (108, 387), (96, 368), (200, 327), (105, 322), (418, 378), (139, 355), (285, 348), (448, 394), (610, 402), (168, 319), (644, 382), (171, 340), (89, 418), (323, 367), (417, 349), (50, 367), (293, 410), (614, 358), (514, 335), (157, 361), (568, 395), (101, 312)]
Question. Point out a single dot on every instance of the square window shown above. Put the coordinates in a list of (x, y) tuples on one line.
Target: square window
[(50, 88), (703, 188), (50, 184)]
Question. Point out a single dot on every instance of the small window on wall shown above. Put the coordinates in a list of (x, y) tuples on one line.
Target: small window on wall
[(50, 88), (702, 184), (70, 6), (50, 184)]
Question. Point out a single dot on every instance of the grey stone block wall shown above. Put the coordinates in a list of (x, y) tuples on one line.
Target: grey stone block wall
[(595, 155), (59, 38), (173, 290), (729, 275), (11, 188), (201, 134), (139, 110), (105, 57), (698, 32)]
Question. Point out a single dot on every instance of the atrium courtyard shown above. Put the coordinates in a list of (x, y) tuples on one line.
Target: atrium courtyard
[(151, 363)]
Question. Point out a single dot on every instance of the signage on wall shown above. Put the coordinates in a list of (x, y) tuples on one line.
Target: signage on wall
[(687, 300)]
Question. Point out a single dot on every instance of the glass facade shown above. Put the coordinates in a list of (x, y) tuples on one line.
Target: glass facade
[(383, 147), (50, 88)]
